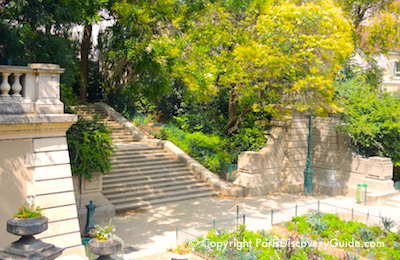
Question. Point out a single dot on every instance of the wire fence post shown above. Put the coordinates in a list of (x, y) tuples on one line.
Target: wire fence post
[(367, 217), (295, 211), (272, 217), (214, 224), (237, 217), (244, 219), (352, 213), (177, 236), (318, 206)]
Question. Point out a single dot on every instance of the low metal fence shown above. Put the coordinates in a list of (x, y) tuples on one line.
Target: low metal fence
[(269, 217)]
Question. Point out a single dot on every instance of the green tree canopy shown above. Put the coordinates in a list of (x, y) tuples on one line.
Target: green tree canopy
[(274, 56)]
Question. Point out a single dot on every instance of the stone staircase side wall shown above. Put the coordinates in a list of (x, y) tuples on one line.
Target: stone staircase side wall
[(136, 132), (279, 167)]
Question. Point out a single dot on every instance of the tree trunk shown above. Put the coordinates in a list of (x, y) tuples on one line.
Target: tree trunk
[(232, 111), (84, 66)]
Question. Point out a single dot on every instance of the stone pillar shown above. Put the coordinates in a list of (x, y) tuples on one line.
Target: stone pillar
[(34, 158)]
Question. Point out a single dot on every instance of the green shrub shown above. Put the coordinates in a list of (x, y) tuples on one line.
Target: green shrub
[(209, 150), (247, 139), (371, 119), (90, 147)]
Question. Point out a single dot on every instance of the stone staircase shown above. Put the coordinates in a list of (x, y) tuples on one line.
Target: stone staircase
[(143, 174)]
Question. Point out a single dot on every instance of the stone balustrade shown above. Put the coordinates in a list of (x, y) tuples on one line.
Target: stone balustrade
[(32, 89)]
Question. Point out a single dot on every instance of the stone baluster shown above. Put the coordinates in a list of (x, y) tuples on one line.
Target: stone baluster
[(17, 87), (5, 86)]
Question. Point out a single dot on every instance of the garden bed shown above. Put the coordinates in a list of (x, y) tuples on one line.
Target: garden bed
[(314, 236)]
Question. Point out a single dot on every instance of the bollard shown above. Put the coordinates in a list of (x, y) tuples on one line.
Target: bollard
[(90, 220)]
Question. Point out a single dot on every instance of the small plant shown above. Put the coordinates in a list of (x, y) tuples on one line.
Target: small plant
[(29, 210), (366, 235), (387, 223), (104, 233), (180, 250), (316, 223), (351, 256)]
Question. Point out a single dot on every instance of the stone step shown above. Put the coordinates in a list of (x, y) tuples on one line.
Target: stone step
[(122, 157), (130, 172), (143, 161), (150, 203), (127, 190), (159, 194), (122, 139), (145, 177), (137, 150), (146, 166), (160, 189), (143, 183)]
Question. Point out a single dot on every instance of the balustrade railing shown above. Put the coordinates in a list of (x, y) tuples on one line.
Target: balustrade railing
[(30, 89)]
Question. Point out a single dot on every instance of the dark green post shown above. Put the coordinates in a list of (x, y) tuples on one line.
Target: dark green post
[(308, 174), (91, 208)]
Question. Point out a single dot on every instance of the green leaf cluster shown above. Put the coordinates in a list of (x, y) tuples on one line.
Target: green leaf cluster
[(372, 119), (90, 147), (28, 212)]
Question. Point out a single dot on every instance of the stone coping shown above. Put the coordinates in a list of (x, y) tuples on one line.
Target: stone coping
[(33, 68), (37, 119), (136, 132)]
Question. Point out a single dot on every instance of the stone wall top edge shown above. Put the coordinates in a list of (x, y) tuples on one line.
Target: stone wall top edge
[(33, 68), (36, 118)]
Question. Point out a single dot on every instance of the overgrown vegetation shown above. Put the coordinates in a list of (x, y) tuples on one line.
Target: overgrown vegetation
[(215, 152), (90, 147)]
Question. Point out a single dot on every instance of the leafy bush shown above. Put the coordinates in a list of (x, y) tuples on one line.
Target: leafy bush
[(207, 149), (371, 119), (90, 147)]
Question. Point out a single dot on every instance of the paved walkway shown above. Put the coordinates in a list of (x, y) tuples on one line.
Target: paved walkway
[(148, 234)]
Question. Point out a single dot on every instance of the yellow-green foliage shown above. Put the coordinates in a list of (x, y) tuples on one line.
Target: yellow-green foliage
[(376, 23), (274, 56)]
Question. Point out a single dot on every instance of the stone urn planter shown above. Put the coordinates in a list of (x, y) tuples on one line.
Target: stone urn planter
[(27, 227), (28, 247), (104, 248)]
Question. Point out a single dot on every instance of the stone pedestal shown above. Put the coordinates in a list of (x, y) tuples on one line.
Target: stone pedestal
[(28, 247), (34, 158)]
